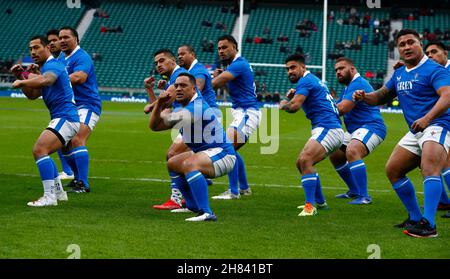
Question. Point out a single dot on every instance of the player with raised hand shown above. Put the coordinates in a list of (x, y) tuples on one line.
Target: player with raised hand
[(365, 131), (238, 76), (53, 85), (210, 155), (313, 96), (423, 89)]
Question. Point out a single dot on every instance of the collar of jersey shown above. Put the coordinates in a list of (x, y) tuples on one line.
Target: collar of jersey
[(176, 68), (193, 64), (236, 57), (424, 59), (357, 75), (73, 52), (448, 64), (194, 97), (50, 58), (306, 73)]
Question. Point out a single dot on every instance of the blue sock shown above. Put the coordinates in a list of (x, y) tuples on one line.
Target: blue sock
[(179, 182), (65, 166), (242, 175), (319, 198), (432, 192), (359, 173), (233, 177), (81, 157), (444, 197), (346, 175), (55, 170), (446, 176), (309, 183), (47, 171), (199, 188), (70, 159), (407, 194)]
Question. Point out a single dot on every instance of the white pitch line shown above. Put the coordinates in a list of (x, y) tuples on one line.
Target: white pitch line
[(146, 162), (159, 180)]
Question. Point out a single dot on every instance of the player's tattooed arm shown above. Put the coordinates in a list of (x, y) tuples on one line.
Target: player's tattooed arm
[(293, 105), (378, 97), (32, 87)]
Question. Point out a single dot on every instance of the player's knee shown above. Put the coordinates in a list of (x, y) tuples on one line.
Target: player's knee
[(39, 151), (352, 154), (392, 172), (170, 153), (172, 164), (304, 162), (431, 169), (189, 165), (77, 141)]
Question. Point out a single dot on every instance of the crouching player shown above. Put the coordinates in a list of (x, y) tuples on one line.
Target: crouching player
[(211, 155)]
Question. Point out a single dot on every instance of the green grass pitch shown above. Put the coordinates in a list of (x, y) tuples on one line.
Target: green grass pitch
[(128, 175)]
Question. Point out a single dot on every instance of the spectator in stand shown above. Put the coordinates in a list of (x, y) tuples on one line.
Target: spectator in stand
[(299, 49), (369, 74), (276, 98), (102, 29), (207, 23), (257, 39), (431, 37), (96, 56), (410, 16), (268, 98), (266, 30), (259, 97), (219, 25), (365, 38), (249, 40), (8, 11), (380, 74), (331, 16)]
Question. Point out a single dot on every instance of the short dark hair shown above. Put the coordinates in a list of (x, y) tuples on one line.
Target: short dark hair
[(298, 57), (436, 43), (52, 32), (191, 78), (404, 32), (42, 38), (229, 38), (72, 30), (345, 59), (189, 48), (165, 51)]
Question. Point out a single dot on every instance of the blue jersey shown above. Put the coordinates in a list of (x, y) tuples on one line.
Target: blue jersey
[(199, 71), (173, 77), (319, 106), (362, 115), (205, 131), (86, 94), (59, 97), (416, 90), (242, 88)]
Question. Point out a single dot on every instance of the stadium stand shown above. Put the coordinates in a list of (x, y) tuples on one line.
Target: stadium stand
[(284, 20), (124, 58), (30, 17), (127, 56)]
